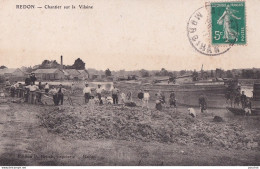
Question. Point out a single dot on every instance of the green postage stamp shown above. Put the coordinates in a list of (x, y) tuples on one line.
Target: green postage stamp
[(228, 23)]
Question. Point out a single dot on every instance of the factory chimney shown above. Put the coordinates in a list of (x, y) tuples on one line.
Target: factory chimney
[(61, 62)]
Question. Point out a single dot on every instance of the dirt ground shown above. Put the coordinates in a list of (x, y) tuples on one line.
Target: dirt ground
[(116, 135)]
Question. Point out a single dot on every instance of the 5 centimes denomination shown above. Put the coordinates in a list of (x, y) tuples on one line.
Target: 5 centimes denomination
[(228, 23), (198, 32)]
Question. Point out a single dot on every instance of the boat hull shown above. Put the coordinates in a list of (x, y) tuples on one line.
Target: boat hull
[(187, 94)]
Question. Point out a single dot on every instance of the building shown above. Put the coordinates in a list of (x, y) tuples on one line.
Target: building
[(13, 74), (49, 74), (71, 74), (83, 74)]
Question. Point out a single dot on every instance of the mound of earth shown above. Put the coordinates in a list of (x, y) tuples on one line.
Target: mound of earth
[(134, 123)]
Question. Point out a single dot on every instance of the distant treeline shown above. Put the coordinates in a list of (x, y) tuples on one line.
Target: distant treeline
[(253, 73)]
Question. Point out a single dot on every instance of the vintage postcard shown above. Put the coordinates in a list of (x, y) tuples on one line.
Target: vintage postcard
[(129, 83)]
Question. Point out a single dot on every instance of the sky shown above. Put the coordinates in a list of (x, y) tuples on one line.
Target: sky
[(116, 34)]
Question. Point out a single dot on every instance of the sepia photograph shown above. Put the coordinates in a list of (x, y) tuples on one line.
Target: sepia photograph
[(129, 83)]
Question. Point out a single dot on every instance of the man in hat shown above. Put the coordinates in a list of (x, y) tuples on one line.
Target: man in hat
[(243, 99), (33, 78), (172, 100), (16, 86), (60, 94), (202, 103), (146, 99), (99, 94), (87, 93), (54, 94), (7, 83), (32, 93), (115, 92), (46, 88), (28, 80), (140, 96)]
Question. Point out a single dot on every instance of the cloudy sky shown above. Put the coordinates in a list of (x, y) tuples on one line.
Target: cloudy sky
[(116, 34)]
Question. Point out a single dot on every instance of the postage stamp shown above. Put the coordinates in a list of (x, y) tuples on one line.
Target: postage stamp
[(199, 32), (228, 23)]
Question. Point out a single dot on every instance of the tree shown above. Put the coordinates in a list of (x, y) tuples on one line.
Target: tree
[(164, 72), (79, 64), (211, 73), (47, 64), (195, 76), (144, 73), (219, 73), (229, 74), (182, 72), (3, 67), (257, 74), (172, 74), (108, 73)]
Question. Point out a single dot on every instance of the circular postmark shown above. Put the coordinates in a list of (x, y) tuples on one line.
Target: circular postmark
[(198, 32)]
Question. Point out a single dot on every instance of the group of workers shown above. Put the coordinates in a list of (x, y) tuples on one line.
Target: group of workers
[(89, 93), (143, 96), (237, 99), (32, 93), (26, 91)]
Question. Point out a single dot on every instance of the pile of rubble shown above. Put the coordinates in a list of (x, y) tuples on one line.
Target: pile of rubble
[(135, 123)]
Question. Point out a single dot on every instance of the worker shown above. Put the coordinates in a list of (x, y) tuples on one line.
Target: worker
[(140, 96), (109, 100), (146, 99), (99, 94), (248, 107), (115, 92), (33, 78), (243, 99), (237, 99), (12, 92), (32, 88), (7, 85), (60, 94), (20, 90), (172, 99), (192, 112), (91, 104), (53, 91), (123, 98), (27, 81), (7, 82), (202, 103), (39, 93), (129, 96), (160, 99), (160, 95), (163, 98), (26, 90), (87, 93), (46, 88), (16, 86)]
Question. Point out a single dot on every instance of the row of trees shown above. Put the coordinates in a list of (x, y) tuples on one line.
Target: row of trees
[(78, 64), (220, 73)]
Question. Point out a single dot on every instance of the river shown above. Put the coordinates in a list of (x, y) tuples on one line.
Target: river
[(248, 90)]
